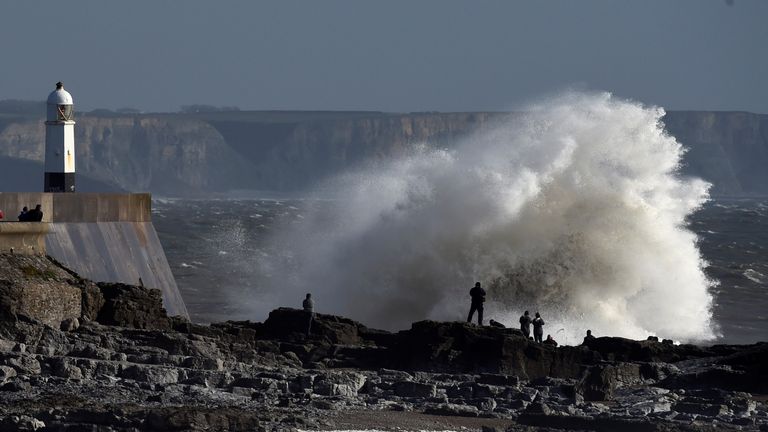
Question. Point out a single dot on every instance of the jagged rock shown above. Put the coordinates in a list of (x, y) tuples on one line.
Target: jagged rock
[(92, 300), (414, 389), (6, 372), (70, 324), (65, 368), (132, 306), (711, 410), (627, 350), (151, 374), (16, 386), (486, 404), (291, 324), (498, 380), (600, 381), (21, 423), (33, 287), (462, 347), (22, 363)]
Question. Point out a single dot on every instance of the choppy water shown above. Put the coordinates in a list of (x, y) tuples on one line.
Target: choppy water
[(216, 248)]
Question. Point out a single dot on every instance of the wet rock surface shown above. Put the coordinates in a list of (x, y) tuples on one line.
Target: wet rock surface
[(123, 365)]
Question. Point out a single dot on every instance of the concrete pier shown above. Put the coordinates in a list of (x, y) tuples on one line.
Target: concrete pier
[(103, 237)]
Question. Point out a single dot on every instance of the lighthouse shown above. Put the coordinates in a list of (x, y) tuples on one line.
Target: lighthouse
[(60, 142)]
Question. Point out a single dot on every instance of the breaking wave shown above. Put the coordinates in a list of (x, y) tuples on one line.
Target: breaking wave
[(574, 208)]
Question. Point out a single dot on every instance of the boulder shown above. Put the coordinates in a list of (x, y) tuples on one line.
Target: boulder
[(132, 306), (600, 381), (291, 324), (151, 374), (70, 324), (414, 389)]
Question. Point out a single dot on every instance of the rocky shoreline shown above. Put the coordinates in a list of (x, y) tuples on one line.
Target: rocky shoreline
[(109, 359)]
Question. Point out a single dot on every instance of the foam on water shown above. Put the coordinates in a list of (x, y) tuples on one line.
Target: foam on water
[(575, 209)]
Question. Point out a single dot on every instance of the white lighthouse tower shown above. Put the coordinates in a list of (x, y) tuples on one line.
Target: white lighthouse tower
[(60, 142)]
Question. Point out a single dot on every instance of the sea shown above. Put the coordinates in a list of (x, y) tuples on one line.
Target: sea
[(215, 247)]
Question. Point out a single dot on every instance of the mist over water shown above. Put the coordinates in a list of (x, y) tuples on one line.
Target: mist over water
[(574, 209)]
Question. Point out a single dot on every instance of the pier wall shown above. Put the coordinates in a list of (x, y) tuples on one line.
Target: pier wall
[(103, 237)]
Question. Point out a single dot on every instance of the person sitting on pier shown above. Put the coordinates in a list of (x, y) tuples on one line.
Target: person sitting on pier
[(550, 341), (35, 215), (23, 216)]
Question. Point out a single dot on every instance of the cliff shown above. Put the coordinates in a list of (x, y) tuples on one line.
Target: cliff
[(188, 154)]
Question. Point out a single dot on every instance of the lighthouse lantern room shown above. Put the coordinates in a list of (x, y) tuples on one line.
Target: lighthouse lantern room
[(60, 142)]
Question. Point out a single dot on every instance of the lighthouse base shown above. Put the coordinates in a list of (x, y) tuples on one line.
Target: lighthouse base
[(59, 182)]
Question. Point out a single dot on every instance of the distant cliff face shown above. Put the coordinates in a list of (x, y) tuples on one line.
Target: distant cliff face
[(729, 149), (187, 154)]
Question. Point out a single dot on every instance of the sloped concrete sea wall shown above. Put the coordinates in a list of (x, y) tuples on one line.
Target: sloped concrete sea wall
[(103, 237)]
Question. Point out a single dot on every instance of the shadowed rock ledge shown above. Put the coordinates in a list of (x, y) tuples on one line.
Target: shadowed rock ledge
[(79, 355)]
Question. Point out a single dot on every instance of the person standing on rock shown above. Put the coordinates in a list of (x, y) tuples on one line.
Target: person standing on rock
[(478, 298), (309, 307), (525, 324), (588, 338), (538, 328)]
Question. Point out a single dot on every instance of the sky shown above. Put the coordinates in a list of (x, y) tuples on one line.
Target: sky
[(393, 55)]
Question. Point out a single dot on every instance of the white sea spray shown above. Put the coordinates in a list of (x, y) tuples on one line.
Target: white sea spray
[(574, 208)]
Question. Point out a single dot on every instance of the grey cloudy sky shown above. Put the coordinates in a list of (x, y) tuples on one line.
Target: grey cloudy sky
[(385, 55)]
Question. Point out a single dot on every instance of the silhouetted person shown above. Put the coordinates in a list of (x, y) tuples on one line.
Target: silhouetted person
[(538, 328), (35, 215), (588, 337), (309, 307), (23, 215), (525, 324), (478, 298), (550, 341)]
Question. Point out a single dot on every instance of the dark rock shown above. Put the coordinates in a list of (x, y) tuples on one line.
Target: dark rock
[(453, 410), (92, 300), (414, 389), (151, 374), (538, 408), (16, 386), (291, 324), (200, 418), (21, 423), (627, 350), (132, 306), (70, 324), (459, 347), (710, 410), (498, 380), (600, 381)]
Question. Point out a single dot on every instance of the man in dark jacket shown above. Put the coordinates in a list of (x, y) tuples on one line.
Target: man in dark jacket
[(525, 324), (35, 215), (478, 298)]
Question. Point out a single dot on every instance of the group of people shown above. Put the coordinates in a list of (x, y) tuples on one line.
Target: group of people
[(477, 294), (27, 215), (34, 215)]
